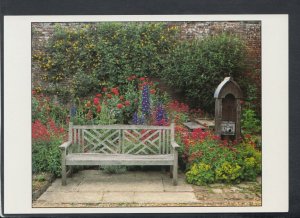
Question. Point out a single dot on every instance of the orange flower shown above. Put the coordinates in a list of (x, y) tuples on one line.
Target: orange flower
[(109, 95), (98, 109), (88, 104), (152, 91)]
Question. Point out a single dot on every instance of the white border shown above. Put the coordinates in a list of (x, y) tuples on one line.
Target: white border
[(17, 112)]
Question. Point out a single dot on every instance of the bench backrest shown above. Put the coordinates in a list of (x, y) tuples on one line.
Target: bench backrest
[(122, 139)]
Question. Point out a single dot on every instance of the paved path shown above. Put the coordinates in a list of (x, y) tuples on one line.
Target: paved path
[(96, 187), (93, 188)]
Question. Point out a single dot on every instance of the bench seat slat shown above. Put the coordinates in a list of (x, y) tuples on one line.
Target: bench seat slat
[(118, 159)]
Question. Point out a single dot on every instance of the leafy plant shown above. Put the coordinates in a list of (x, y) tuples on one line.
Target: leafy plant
[(200, 174), (250, 123), (228, 172), (200, 65), (114, 169)]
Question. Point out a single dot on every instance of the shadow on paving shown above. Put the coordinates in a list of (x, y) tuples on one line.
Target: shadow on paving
[(94, 188)]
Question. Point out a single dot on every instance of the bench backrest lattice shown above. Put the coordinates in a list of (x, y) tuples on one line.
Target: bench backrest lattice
[(122, 139)]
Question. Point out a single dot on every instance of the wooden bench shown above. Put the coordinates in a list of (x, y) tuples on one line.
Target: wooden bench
[(120, 145)]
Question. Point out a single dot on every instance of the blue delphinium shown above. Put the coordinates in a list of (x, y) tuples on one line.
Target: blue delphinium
[(142, 120), (161, 115), (135, 119), (73, 111), (146, 100)]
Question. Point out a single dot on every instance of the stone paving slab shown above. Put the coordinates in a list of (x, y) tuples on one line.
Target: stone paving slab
[(118, 197), (125, 186), (71, 197), (165, 197)]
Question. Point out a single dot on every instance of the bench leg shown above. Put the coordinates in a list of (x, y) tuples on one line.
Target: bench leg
[(63, 174), (175, 168), (63, 169)]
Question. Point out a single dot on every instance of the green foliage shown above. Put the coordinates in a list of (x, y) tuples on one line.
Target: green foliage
[(91, 54), (46, 157), (114, 169), (250, 123), (200, 174), (228, 172), (200, 65), (211, 160), (44, 109)]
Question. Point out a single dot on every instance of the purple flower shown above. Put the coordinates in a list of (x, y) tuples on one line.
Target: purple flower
[(146, 100), (161, 115), (135, 119), (73, 111)]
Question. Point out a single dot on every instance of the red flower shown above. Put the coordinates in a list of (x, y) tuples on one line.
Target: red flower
[(121, 97), (115, 91), (96, 101), (142, 78), (109, 95), (98, 109), (152, 91), (127, 103), (33, 92), (104, 89), (99, 95), (120, 106)]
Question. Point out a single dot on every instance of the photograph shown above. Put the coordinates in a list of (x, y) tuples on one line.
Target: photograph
[(146, 114)]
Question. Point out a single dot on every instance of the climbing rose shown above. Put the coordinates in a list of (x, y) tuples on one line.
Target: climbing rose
[(121, 97), (104, 89), (142, 78), (152, 91), (99, 95)]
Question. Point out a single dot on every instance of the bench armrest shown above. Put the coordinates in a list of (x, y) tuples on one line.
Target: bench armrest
[(65, 145), (175, 145)]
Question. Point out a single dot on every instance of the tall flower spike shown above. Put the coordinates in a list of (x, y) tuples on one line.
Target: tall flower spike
[(135, 119), (146, 100), (73, 111)]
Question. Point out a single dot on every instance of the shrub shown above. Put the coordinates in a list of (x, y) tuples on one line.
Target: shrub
[(91, 54), (43, 109), (46, 155), (200, 174), (228, 172), (249, 122), (200, 65)]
